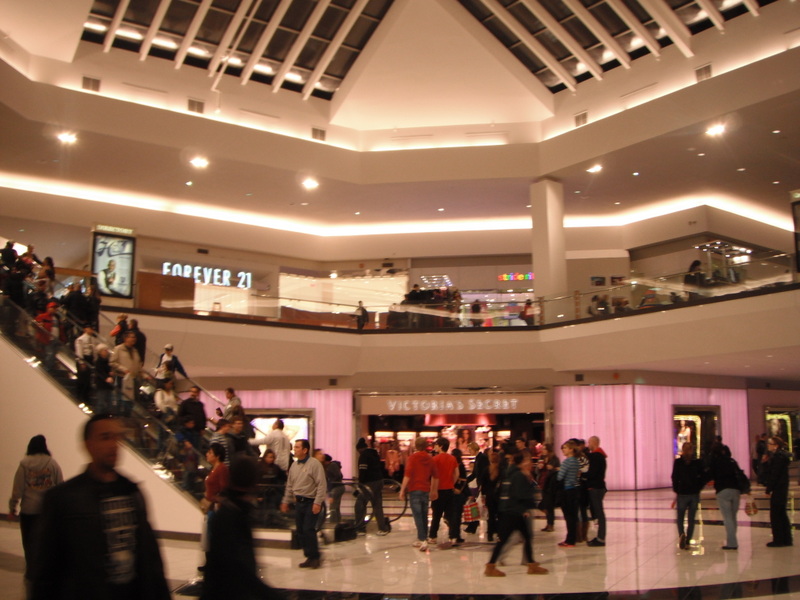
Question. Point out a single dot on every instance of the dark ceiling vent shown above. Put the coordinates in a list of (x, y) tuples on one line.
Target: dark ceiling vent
[(196, 106), (703, 73), (90, 84)]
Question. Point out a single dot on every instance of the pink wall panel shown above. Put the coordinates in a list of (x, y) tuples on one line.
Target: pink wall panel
[(634, 424), (333, 417)]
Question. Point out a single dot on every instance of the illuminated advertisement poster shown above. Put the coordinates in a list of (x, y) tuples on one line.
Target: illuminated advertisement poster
[(112, 264)]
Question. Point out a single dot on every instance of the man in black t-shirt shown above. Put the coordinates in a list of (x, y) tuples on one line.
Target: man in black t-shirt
[(93, 538)]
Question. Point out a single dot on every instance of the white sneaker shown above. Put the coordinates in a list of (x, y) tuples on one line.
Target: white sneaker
[(423, 546)]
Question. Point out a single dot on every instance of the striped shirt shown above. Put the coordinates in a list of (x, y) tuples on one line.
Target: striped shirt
[(568, 473)]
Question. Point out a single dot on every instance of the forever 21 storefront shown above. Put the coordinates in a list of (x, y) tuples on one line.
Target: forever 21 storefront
[(393, 421)]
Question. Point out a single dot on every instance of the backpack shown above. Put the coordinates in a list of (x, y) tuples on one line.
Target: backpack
[(742, 480)]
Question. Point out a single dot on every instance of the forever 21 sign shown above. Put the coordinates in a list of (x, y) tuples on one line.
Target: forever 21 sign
[(209, 275)]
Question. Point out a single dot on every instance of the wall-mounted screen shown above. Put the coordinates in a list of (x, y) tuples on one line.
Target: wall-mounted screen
[(112, 264)]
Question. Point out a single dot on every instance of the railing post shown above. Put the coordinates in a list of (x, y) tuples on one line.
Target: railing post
[(540, 302), (577, 298)]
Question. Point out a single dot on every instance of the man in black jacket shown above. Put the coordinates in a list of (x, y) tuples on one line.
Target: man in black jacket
[(596, 484), (93, 538), (370, 475)]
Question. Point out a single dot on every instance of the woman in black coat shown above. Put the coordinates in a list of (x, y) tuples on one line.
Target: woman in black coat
[(777, 484)]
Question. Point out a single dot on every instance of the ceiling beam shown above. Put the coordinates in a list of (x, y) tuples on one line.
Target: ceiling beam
[(635, 25), (191, 32), (532, 43), (752, 6), (264, 40), (333, 47), (600, 32), (224, 48), (152, 31), (711, 11), (676, 29), (299, 43), (564, 37), (111, 34)]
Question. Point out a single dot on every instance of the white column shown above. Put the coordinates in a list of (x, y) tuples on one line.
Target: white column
[(548, 246)]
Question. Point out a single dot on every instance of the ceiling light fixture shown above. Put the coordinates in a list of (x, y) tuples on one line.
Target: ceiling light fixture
[(197, 51), (595, 169), (199, 162), (310, 183), (66, 137), (190, 183), (440, 209), (635, 173), (741, 169), (130, 34), (94, 26), (776, 131), (716, 130)]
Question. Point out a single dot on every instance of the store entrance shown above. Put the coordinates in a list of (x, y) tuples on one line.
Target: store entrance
[(394, 435)]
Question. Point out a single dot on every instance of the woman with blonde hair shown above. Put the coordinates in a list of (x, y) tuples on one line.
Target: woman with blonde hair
[(568, 475)]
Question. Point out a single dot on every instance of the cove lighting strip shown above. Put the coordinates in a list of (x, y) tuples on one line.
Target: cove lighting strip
[(192, 209)]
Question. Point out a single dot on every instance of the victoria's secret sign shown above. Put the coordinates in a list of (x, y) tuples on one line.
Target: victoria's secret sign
[(455, 404), (209, 275)]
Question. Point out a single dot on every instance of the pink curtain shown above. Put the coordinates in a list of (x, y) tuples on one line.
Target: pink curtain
[(635, 426), (333, 417), (607, 412), (655, 405)]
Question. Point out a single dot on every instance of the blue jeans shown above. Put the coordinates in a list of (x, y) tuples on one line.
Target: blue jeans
[(728, 500), (419, 509), (306, 523), (687, 502), (596, 505)]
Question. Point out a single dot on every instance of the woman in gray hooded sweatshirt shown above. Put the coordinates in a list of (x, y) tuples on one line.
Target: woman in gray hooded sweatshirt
[(36, 474)]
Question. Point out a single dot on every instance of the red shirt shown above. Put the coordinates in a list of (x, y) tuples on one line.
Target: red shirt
[(446, 465), (216, 481), (420, 469)]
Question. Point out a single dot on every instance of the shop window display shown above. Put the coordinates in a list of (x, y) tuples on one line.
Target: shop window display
[(695, 424), (783, 424)]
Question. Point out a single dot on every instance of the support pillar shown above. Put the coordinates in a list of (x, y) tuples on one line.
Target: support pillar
[(548, 245)]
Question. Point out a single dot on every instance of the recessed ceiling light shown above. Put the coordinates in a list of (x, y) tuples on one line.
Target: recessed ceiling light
[(66, 137), (595, 169), (741, 169), (357, 213), (776, 131), (775, 182), (701, 154), (440, 209), (310, 183), (304, 204), (190, 183), (716, 130), (249, 194), (635, 173), (617, 203), (199, 162), (577, 192), (527, 206), (196, 51)]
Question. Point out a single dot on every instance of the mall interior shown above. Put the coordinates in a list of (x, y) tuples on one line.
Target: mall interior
[(255, 168)]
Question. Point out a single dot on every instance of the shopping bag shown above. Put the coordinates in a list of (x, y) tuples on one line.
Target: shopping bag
[(471, 511)]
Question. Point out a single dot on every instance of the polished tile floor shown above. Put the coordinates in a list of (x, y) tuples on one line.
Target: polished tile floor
[(641, 560)]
